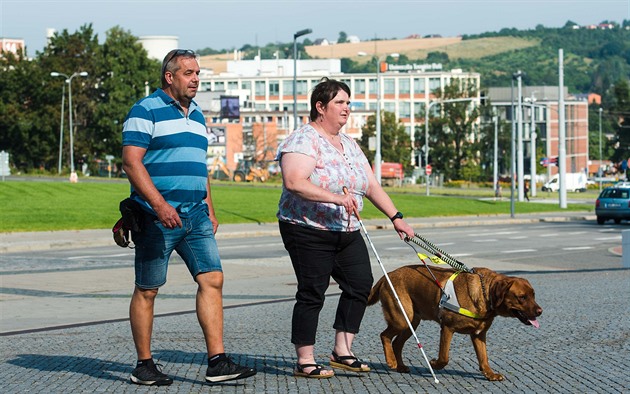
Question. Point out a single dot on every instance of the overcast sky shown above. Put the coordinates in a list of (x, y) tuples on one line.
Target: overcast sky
[(226, 24)]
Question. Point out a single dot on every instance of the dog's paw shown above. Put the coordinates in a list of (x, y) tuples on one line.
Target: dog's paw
[(436, 364), (494, 377), (402, 369)]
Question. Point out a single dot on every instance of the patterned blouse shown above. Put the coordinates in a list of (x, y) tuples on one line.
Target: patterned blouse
[(334, 169)]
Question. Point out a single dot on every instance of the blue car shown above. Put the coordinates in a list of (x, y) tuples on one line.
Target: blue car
[(613, 203)]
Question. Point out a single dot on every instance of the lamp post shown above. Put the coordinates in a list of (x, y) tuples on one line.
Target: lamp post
[(495, 162), (63, 99), (426, 130), (295, 37), (378, 158), (73, 174), (599, 169), (532, 142)]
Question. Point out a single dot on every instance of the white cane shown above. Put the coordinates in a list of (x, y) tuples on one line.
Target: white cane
[(391, 286)]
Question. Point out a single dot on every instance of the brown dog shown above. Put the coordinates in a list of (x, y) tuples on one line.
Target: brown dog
[(485, 293)]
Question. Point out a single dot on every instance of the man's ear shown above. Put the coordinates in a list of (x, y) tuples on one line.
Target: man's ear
[(168, 76)]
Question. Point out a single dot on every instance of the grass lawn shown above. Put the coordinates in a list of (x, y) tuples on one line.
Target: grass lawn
[(45, 206)]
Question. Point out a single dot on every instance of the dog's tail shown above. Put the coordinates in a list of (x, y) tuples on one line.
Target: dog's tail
[(375, 294)]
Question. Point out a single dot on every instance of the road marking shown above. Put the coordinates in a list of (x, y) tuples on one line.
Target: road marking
[(446, 243), (549, 235), (518, 251), (609, 238), (518, 237), (258, 245), (494, 233), (577, 232), (461, 254), (485, 240), (578, 248), (100, 255)]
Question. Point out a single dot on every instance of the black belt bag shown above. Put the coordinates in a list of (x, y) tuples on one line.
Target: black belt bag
[(128, 224)]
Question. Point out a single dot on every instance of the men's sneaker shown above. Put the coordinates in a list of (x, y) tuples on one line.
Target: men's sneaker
[(227, 369), (149, 375)]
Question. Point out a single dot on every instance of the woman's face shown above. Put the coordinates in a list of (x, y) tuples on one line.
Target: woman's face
[(337, 111)]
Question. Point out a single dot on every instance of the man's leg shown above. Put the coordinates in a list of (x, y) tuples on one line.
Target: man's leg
[(141, 318), (210, 310)]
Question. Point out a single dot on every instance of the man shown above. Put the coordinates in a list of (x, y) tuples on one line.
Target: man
[(164, 156)]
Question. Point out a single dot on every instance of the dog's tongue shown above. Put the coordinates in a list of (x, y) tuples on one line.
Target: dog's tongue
[(534, 323)]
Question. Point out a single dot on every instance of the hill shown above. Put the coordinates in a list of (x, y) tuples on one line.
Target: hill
[(419, 48)]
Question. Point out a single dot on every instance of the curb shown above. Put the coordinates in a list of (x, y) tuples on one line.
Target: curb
[(29, 242)]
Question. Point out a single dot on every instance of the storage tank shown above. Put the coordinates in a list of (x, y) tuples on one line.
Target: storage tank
[(158, 46)]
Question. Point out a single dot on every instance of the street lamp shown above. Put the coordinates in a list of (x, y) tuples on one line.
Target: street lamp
[(426, 130), (377, 154), (295, 37), (63, 99), (599, 169), (73, 174)]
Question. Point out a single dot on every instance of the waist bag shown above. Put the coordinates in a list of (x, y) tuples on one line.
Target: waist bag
[(128, 224)]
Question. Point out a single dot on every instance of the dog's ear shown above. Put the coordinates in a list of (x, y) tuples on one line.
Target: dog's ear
[(500, 290)]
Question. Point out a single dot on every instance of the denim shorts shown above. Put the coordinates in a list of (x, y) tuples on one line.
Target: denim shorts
[(194, 242)]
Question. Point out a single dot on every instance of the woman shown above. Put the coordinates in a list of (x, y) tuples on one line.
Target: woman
[(319, 229)]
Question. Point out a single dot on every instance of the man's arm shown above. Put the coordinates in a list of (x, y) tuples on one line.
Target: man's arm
[(143, 185), (211, 215)]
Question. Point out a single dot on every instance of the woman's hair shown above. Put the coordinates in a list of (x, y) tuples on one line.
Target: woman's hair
[(325, 91)]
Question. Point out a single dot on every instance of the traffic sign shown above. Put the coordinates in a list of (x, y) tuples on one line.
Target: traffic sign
[(427, 169)]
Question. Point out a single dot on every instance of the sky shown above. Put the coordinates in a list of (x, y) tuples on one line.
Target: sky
[(229, 24)]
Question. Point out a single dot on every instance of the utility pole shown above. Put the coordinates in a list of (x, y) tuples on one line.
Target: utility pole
[(519, 137), (562, 154)]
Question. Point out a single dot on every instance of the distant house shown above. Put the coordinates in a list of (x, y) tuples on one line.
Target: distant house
[(321, 41), (353, 39)]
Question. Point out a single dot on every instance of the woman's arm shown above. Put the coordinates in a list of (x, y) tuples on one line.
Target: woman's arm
[(296, 171), (384, 203)]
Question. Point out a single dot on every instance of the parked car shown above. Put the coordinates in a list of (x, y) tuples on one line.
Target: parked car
[(613, 203)]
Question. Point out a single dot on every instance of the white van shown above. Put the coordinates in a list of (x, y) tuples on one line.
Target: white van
[(576, 182)]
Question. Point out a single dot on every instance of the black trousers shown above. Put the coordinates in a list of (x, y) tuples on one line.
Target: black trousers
[(318, 255)]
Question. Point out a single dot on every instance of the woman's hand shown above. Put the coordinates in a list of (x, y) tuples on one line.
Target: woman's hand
[(403, 229)]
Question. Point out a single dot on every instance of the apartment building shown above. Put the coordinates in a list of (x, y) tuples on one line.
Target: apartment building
[(265, 93), (540, 106)]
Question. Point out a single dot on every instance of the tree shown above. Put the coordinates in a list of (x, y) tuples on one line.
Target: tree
[(395, 142), (343, 37), (621, 109), (452, 136)]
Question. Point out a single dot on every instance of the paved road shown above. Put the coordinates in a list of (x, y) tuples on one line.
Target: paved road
[(582, 346)]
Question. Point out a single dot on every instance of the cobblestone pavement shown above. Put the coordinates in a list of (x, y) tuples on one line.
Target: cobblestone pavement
[(582, 346)]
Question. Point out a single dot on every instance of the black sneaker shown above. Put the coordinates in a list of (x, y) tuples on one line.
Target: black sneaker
[(226, 369), (149, 375)]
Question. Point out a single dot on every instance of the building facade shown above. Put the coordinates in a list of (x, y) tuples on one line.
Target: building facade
[(540, 109), (265, 92)]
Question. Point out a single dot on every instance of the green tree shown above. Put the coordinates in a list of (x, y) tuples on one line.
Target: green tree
[(343, 37), (452, 137), (621, 109), (395, 142)]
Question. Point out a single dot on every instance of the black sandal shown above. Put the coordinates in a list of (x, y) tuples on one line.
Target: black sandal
[(314, 374), (355, 366)]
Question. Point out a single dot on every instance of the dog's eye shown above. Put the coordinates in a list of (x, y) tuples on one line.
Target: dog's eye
[(522, 298)]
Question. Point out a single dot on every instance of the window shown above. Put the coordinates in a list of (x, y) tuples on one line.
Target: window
[(418, 85), (434, 84), (372, 86), (359, 86), (260, 88), (232, 85), (389, 85), (405, 109), (389, 107), (219, 86), (246, 85), (274, 88), (418, 109), (404, 86)]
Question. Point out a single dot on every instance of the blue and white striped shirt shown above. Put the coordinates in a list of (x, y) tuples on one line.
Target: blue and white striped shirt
[(176, 149)]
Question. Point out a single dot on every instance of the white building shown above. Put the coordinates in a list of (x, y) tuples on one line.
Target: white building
[(265, 89)]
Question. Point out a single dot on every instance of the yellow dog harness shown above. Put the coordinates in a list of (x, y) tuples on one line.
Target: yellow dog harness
[(449, 299)]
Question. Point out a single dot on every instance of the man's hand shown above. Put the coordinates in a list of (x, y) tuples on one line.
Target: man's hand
[(168, 216)]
